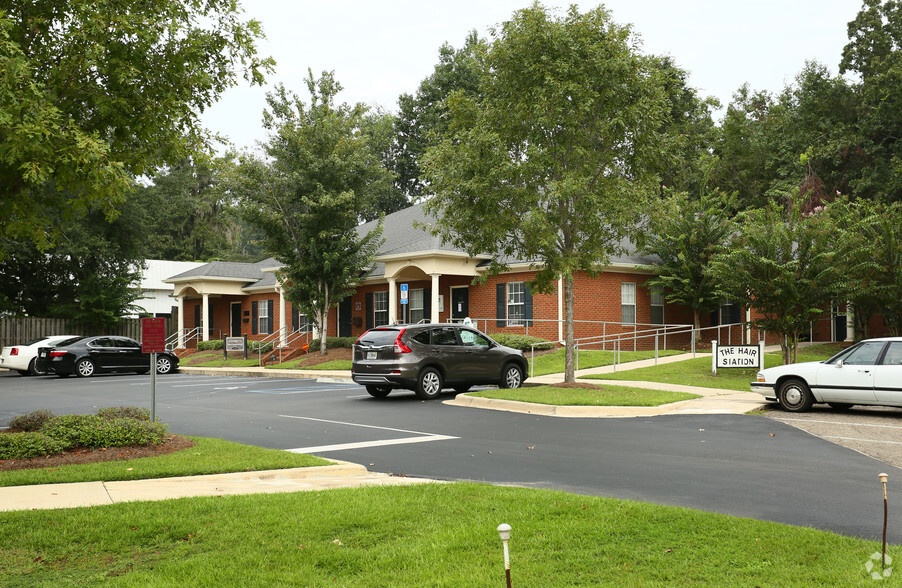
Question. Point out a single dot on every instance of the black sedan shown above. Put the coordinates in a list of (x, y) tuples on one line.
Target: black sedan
[(86, 356)]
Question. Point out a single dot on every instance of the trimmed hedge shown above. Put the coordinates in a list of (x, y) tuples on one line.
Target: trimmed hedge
[(335, 342), (211, 345), (522, 342), (28, 445), (124, 412)]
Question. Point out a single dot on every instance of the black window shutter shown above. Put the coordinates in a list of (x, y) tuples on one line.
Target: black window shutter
[(270, 319), (210, 315), (369, 311), (527, 304), (501, 304), (714, 317), (254, 317), (737, 314), (197, 315), (294, 318), (427, 304)]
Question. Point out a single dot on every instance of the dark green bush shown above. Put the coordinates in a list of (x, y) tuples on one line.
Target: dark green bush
[(27, 445), (124, 412), (522, 342), (32, 421), (210, 345), (92, 431), (258, 347), (335, 342)]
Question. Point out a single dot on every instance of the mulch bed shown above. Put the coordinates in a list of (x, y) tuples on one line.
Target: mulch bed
[(171, 444)]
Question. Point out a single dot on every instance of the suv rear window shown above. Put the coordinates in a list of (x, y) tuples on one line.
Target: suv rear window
[(379, 337)]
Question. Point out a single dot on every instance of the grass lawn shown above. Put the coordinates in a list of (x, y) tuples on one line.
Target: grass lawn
[(208, 456), (553, 363), (606, 396), (697, 372), (430, 535)]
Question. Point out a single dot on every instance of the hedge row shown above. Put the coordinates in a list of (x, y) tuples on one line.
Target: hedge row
[(45, 433), (522, 342)]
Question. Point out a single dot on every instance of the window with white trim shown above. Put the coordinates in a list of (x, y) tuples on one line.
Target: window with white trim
[(516, 303), (263, 318), (380, 308), (628, 303), (657, 307), (415, 304)]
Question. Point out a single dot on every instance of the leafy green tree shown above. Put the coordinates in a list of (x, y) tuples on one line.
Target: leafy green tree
[(785, 264), (385, 197), (423, 117), (874, 52), (305, 199), (95, 92), (551, 161), (686, 235)]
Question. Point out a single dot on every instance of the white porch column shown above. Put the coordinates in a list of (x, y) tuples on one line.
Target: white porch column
[(850, 322), (181, 321), (283, 335), (204, 318), (433, 317), (392, 301)]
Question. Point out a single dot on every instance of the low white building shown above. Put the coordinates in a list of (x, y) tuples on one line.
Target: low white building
[(156, 296)]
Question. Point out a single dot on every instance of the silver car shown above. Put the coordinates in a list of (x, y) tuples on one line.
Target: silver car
[(869, 372)]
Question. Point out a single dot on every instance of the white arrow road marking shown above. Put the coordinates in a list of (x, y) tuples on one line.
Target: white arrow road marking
[(420, 438)]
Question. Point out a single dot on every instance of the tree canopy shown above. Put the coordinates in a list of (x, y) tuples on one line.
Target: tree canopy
[(551, 161)]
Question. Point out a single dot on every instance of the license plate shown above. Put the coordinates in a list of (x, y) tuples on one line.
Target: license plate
[(372, 354)]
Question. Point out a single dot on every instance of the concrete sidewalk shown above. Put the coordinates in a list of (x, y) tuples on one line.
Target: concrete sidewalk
[(80, 494)]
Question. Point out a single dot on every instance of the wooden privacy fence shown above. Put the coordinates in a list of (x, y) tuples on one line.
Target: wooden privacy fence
[(16, 331)]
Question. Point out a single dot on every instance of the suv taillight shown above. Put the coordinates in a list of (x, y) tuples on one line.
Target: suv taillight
[(400, 347)]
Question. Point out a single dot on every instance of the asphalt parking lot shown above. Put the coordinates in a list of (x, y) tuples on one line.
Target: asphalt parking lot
[(875, 431)]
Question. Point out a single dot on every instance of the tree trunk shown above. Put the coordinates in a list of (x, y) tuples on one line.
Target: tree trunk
[(324, 313), (569, 351)]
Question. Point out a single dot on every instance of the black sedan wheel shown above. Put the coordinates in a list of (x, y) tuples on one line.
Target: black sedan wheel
[(429, 384), (164, 365), (33, 369), (84, 368), (795, 396), (378, 391), (511, 377)]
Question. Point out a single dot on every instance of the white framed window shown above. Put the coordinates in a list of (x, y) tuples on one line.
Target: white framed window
[(729, 313), (657, 307), (380, 308), (263, 318), (628, 303), (415, 306), (516, 303)]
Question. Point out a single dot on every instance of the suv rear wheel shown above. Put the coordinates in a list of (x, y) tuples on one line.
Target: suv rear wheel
[(429, 384)]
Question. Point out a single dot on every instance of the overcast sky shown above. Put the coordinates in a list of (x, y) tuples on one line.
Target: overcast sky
[(380, 49)]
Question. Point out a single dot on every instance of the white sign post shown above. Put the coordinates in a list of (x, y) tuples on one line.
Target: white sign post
[(737, 356)]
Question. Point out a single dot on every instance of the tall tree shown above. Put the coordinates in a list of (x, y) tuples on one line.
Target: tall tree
[(551, 162), (306, 198), (784, 263), (686, 235), (423, 117), (94, 92)]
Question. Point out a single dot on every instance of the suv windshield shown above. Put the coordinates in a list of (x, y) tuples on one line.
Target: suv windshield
[(379, 337)]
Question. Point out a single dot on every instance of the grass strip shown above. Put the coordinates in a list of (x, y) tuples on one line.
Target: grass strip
[(606, 396), (697, 372), (337, 364), (553, 363), (208, 456), (429, 535)]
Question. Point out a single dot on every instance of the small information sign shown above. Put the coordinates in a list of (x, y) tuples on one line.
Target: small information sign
[(737, 356), (234, 343), (404, 293), (153, 335)]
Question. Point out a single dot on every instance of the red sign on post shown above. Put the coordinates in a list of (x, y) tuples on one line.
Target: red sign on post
[(153, 335)]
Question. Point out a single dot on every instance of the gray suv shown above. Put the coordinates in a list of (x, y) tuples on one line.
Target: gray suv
[(426, 358)]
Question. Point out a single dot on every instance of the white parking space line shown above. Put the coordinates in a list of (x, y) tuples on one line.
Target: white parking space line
[(865, 440), (293, 390), (420, 438), (840, 423)]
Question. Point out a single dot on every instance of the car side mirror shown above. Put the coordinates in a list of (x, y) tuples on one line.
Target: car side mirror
[(839, 363)]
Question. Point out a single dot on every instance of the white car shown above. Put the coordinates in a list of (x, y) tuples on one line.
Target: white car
[(22, 357), (869, 372)]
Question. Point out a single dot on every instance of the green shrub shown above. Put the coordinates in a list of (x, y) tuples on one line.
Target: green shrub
[(258, 347), (92, 431), (32, 421), (27, 445), (522, 342), (124, 412), (335, 342), (211, 345)]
